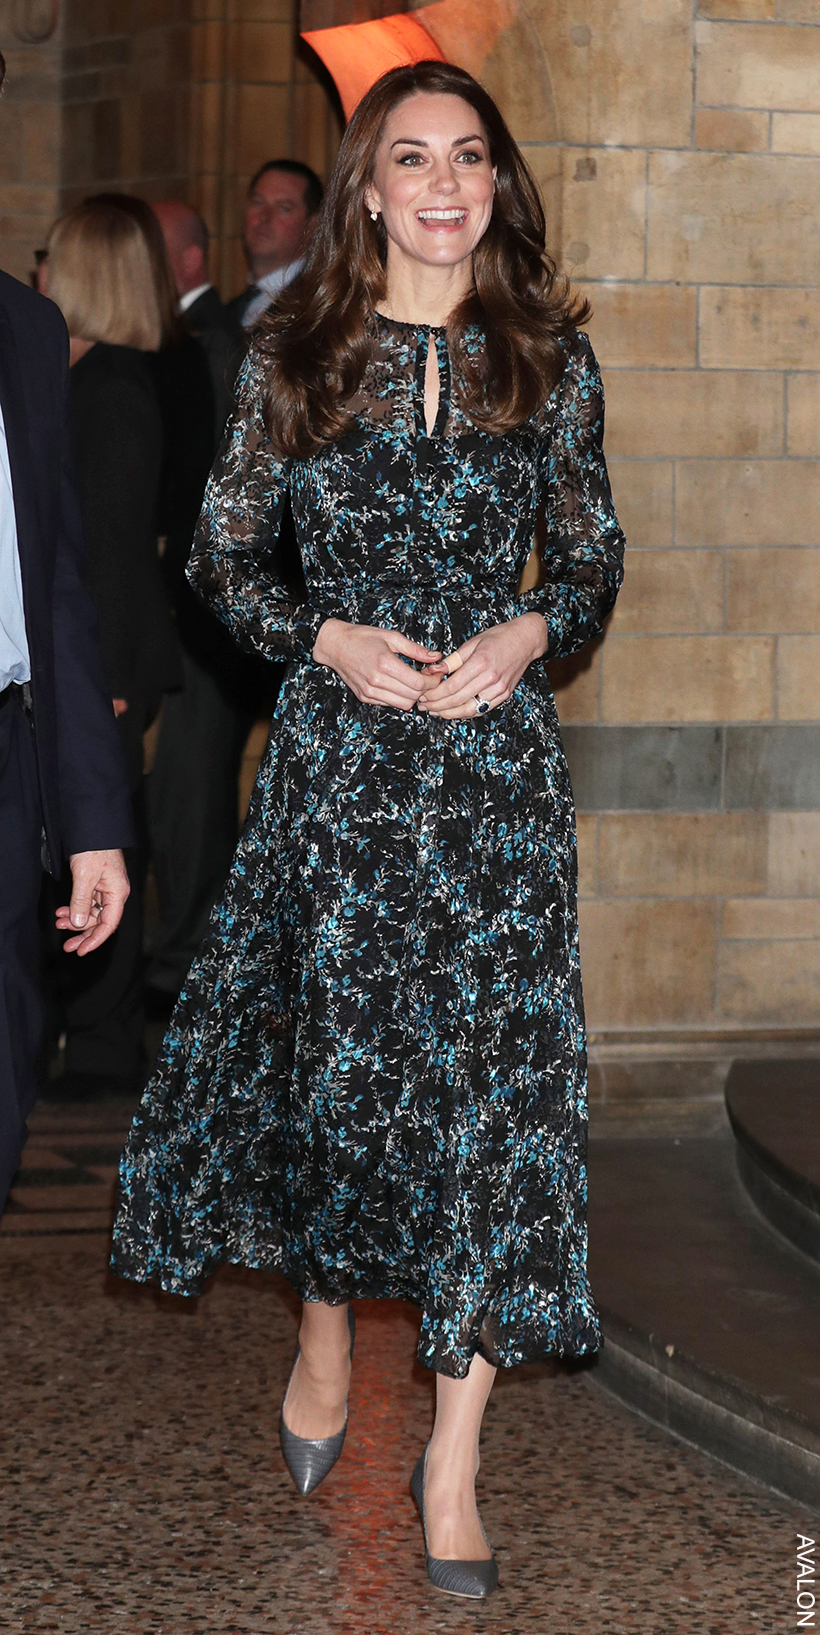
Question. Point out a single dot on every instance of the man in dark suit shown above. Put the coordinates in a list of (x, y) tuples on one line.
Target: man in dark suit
[(192, 787), (63, 787), (283, 200)]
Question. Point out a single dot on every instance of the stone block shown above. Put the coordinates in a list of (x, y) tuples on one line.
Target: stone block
[(208, 50), (774, 981), (593, 49), (316, 135), (688, 678), (78, 144), (204, 196), (587, 855), (760, 329), (794, 853), (668, 413), (738, 218), (643, 494), (545, 164), (751, 11), (666, 592), (12, 152), (773, 590), (798, 11), (796, 133), (269, 11), (38, 147), (263, 124), (207, 112), (131, 132), (798, 678), (603, 212), (767, 917), (19, 199), (159, 135), (645, 768), (674, 854), (756, 502), (732, 130), (755, 918), (577, 685), (803, 415), (648, 964), (770, 769), (763, 66), (265, 52), (643, 326)]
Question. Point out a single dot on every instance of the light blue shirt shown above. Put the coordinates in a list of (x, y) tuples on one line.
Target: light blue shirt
[(14, 656), (268, 289)]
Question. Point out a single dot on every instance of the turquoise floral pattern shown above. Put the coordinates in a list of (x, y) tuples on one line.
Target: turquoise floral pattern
[(374, 1080)]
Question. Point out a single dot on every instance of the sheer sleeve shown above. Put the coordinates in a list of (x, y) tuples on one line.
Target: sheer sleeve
[(230, 565), (583, 558)]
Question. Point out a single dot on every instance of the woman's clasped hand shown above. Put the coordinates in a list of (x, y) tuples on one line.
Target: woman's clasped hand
[(372, 663)]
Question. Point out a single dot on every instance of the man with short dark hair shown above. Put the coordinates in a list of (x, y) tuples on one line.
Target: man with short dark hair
[(283, 199), (63, 787)]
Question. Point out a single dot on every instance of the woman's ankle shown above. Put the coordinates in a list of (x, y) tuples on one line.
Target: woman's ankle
[(451, 1463), (324, 1326)]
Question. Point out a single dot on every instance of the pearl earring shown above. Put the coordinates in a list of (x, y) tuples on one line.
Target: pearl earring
[(374, 215)]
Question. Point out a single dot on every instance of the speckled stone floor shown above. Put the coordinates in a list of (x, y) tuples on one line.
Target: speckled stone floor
[(144, 1491)]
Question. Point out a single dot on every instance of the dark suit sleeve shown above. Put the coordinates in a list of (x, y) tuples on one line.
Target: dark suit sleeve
[(95, 802)]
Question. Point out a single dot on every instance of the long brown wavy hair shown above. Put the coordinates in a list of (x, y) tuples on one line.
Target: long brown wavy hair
[(318, 337)]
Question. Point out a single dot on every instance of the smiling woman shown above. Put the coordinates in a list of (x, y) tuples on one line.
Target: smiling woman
[(375, 1079)]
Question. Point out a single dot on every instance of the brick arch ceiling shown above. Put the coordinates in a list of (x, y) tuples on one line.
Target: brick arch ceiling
[(495, 40)]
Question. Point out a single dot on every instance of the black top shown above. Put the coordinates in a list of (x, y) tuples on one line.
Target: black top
[(84, 793), (182, 374), (118, 440)]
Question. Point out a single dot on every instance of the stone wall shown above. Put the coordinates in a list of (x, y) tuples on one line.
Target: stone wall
[(164, 98), (30, 139), (687, 176)]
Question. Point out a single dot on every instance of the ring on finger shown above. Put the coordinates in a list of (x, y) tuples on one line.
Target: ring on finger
[(482, 704)]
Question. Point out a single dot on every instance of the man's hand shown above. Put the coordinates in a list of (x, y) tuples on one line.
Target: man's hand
[(99, 891)]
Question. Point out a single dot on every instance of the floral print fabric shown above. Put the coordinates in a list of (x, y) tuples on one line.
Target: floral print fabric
[(375, 1077)]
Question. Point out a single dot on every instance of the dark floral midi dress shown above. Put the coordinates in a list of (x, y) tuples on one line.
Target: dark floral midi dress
[(374, 1080)]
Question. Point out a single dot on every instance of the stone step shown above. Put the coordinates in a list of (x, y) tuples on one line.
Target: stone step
[(712, 1322), (774, 1110)]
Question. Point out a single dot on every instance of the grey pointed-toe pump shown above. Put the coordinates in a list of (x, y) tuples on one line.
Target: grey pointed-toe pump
[(473, 1579), (309, 1462)]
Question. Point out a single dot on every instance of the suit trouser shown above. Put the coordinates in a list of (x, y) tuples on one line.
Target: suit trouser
[(192, 815), (21, 1007)]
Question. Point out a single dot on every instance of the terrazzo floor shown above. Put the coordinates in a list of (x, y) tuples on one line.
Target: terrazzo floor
[(143, 1490)]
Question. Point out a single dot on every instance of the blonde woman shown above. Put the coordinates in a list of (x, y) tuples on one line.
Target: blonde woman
[(101, 276)]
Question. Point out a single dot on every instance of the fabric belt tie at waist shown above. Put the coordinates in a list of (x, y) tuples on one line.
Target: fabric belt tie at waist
[(348, 601)]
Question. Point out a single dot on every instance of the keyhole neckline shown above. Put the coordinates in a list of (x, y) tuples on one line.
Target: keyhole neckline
[(431, 339)]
